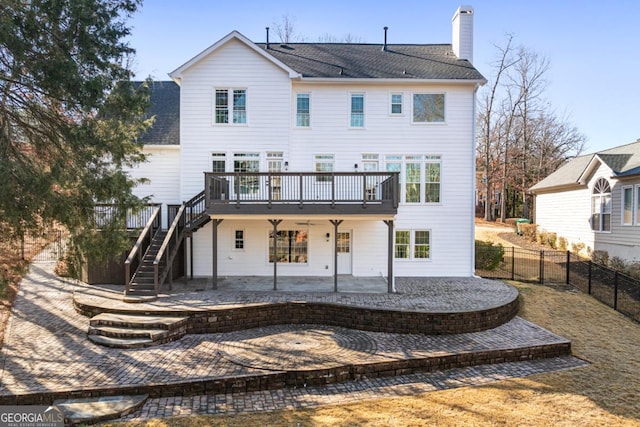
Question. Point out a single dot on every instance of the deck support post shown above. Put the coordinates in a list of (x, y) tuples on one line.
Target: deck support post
[(214, 256), (275, 223), (335, 223), (390, 278)]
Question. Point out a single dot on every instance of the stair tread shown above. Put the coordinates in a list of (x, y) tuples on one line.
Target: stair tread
[(121, 342), (136, 319), (123, 330)]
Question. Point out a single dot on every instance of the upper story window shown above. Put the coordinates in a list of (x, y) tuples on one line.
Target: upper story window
[(303, 110), (396, 104), (428, 108), (601, 206), (357, 110), (231, 106)]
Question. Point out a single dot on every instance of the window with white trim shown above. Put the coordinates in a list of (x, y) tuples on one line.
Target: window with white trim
[(239, 240), (370, 164), (396, 104), (412, 244), (303, 110), (230, 106), (420, 177), (323, 163), (601, 206), (428, 108), (218, 162), (290, 245), (357, 110), (627, 205)]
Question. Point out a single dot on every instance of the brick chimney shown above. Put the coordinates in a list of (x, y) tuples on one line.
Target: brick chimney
[(462, 38)]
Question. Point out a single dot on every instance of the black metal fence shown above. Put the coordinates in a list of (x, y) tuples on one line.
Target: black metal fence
[(611, 287), (47, 246)]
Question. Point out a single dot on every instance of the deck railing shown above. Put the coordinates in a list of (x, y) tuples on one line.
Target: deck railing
[(302, 188)]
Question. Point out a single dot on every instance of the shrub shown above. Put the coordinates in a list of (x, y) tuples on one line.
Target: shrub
[(576, 248), (600, 257), (542, 237), (618, 264), (552, 239), (488, 255), (529, 231), (562, 244), (633, 270), (511, 222)]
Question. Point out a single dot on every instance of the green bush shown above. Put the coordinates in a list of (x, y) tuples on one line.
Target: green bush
[(488, 255)]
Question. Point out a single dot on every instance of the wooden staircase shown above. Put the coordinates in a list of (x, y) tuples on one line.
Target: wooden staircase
[(142, 285), (134, 331), (150, 261)]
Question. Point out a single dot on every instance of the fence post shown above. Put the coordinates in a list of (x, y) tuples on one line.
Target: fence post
[(513, 263), (590, 264), (615, 290), (22, 246), (568, 265), (542, 267)]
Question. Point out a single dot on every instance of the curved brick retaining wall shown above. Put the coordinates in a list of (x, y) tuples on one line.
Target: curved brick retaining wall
[(366, 319)]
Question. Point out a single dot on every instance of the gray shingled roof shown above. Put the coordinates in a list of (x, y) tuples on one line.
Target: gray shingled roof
[(164, 104), (623, 161), (356, 60)]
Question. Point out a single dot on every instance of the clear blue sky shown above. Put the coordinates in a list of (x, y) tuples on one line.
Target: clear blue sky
[(593, 46)]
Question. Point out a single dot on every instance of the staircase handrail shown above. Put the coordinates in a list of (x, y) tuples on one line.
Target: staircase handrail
[(174, 233), (149, 230)]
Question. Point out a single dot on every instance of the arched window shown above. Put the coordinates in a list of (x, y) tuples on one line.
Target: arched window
[(601, 206)]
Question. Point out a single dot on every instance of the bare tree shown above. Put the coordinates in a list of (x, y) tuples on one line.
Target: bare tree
[(285, 29), (521, 138)]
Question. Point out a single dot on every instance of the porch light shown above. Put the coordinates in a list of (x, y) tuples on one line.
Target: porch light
[(327, 236), (286, 166), (355, 167)]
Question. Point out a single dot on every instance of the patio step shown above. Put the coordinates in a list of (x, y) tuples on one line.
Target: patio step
[(133, 331)]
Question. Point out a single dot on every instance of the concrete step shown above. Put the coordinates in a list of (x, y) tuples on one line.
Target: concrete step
[(134, 331), (97, 409), (139, 321)]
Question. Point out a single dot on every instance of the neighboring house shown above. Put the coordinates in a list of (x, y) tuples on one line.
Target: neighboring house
[(594, 200), (352, 158)]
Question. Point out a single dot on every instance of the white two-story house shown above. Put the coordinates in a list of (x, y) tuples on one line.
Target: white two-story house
[(323, 159)]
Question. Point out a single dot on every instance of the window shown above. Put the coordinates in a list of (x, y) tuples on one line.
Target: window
[(303, 117), (428, 108), (218, 162), (357, 110), (420, 176), (396, 104), (274, 165), (421, 244), (601, 206), (291, 246), (246, 162), (403, 244), (637, 205), (238, 107), (412, 244), (239, 240), (323, 163), (627, 205), (370, 164)]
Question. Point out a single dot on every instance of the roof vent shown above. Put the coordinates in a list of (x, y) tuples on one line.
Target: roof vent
[(384, 47), (267, 45)]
